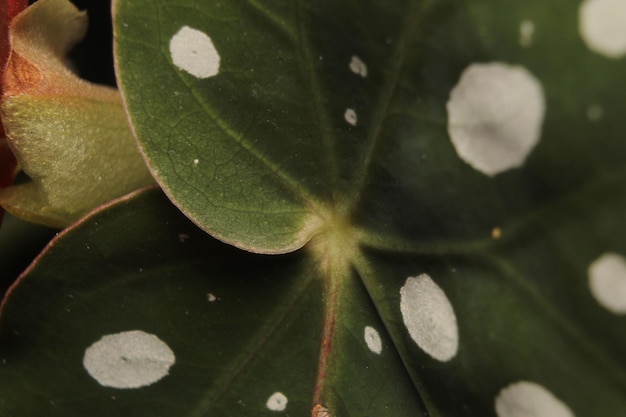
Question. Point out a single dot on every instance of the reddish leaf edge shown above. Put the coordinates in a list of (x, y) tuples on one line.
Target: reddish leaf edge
[(69, 229), (8, 164)]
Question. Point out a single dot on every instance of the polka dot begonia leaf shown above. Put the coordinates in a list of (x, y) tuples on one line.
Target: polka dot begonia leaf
[(387, 208)]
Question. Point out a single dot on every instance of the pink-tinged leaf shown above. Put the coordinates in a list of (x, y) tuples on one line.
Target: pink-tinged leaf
[(70, 136), (8, 165)]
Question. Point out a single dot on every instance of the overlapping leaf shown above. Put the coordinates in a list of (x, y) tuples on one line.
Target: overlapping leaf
[(70, 136), (242, 327), (420, 281), (8, 164)]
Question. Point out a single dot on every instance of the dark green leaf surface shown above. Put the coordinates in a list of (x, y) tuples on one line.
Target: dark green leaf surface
[(242, 327), (338, 116), (421, 281)]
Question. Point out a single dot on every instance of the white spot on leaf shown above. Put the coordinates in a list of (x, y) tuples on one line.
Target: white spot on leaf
[(602, 26), (429, 317), (131, 359), (357, 66), (277, 402), (527, 399), (607, 282), (495, 113), (193, 51), (526, 33), (372, 339), (595, 112), (350, 116)]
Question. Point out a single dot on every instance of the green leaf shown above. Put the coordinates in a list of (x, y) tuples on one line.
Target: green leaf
[(262, 147), (441, 150), (449, 179), (242, 327)]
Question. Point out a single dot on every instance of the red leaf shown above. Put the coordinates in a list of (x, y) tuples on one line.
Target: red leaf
[(14, 7)]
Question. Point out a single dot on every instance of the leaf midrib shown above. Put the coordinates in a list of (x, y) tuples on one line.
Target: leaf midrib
[(321, 117), (262, 338), (398, 66), (282, 178)]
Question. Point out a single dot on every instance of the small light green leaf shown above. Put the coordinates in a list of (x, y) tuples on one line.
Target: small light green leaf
[(71, 137)]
